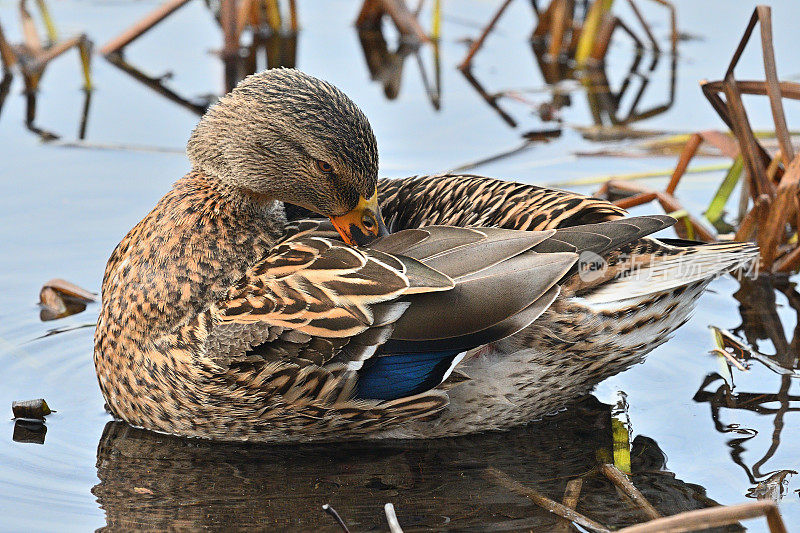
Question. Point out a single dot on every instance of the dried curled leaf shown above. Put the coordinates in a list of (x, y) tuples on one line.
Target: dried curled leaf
[(772, 488), (31, 409), (60, 298)]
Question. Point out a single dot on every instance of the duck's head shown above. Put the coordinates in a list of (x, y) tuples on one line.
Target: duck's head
[(284, 135)]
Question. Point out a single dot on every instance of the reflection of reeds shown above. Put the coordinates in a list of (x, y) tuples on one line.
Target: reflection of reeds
[(385, 65), (32, 56), (760, 322), (157, 84), (582, 36), (273, 30), (570, 42), (372, 11)]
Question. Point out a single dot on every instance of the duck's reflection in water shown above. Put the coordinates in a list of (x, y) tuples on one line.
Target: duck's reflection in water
[(152, 481)]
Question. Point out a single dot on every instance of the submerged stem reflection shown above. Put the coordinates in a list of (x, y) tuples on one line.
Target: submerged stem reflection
[(761, 321)]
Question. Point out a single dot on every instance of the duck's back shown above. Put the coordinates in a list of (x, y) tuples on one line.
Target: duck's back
[(467, 200)]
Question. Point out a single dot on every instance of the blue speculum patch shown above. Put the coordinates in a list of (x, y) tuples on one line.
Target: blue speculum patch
[(390, 377)]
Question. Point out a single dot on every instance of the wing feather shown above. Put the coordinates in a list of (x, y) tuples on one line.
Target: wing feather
[(303, 321)]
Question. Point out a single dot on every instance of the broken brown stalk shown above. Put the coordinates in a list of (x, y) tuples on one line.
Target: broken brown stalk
[(772, 183), (372, 11), (686, 521)]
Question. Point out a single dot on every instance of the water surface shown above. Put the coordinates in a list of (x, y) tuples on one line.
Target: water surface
[(63, 209)]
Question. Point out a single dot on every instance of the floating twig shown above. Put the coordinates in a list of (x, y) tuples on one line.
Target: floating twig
[(624, 484), (492, 158), (544, 502), (331, 511), (391, 518), (713, 517), (117, 146)]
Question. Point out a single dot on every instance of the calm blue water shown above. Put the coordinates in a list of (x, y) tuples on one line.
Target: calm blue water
[(63, 209)]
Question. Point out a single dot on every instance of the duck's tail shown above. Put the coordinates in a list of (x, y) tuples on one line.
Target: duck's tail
[(649, 297), (664, 265), (621, 304)]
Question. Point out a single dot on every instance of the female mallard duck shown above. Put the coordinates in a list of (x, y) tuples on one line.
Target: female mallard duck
[(222, 320)]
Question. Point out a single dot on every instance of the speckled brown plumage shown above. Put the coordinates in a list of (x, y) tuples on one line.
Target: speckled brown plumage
[(222, 320), (240, 360)]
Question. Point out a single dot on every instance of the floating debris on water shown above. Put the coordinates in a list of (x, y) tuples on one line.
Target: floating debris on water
[(772, 488), (331, 511), (60, 298), (29, 425), (31, 409)]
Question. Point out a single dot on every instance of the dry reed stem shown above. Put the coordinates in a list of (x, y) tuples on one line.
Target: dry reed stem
[(672, 205), (669, 203), (730, 358), (689, 150), (544, 502), (789, 262), (713, 517), (636, 200), (723, 142), (624, 484), (772, 233), (467, 62), (749, 224), (142, 26), (571, 495)]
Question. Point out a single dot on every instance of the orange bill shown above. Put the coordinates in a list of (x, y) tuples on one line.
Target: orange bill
[(363, 224)]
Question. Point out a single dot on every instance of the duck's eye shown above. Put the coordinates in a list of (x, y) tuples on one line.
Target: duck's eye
[(324, 166)]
